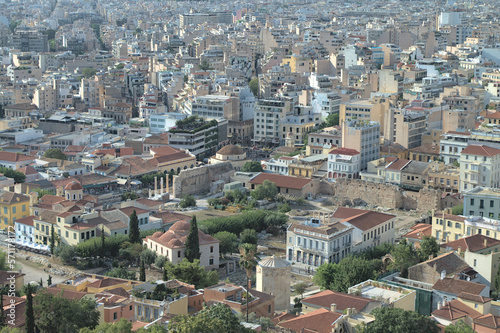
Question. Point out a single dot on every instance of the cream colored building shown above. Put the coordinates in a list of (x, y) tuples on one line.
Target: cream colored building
[(171, 244), (231, 153), (479, 166), (274, 277)]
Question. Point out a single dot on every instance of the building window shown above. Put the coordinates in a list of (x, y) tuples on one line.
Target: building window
[(5, 211), (24, 208), (178, 254), (115, 316), (211, 249), (211, 261)]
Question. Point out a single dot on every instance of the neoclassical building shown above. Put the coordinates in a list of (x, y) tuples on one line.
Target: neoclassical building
[(171, 244)]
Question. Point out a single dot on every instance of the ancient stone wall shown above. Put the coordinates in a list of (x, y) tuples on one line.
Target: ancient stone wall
[(353, 192), (199, 180)]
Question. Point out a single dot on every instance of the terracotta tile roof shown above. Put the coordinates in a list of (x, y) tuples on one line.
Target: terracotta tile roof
[(398, 164), (164, 150), (488, 320), (169, 158), (419, 231), (480, 150), (68, 294), (28, 220), (19, 308), (454, 310), (455, 286), (426, 149), (320, 321), (344, 151), (171, 217), (472, 243), (9, 198), (176, 236), (459, 133), (129, 210), (14, 157), (283, 317), (360, 218), (148, 202), (343, 301), (474, 298), (5, 275), (494, 115), (281, 181), (452, 217), (106, 282), (138, 324), (28, 170)]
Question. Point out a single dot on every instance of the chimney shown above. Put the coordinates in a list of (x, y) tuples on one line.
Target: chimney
[(443, 274), (459, 250), (485, 242), (333, 307), (439, 306)]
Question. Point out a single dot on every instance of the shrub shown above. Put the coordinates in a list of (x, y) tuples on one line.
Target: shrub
[(187, 201)]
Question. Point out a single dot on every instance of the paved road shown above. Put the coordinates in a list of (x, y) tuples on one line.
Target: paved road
[(34, 273)]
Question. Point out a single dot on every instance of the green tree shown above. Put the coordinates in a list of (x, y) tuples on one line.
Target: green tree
[(193, 242), (142, 272), (268, 190), (228, 241), (248, 262), (458, 210), (218, 318), (458, 327), (252, 167), (404, 256), (55, 153), (348, 272), (41, 192), (52, 45), (129, 195), (428, 246), (88, 72), (148, 257), (18, 176), (3, 261), (300, 288), (187, 201), (254, 86), (192, 273), (205, 65), (121, 326), (52, 240), (103, 242), (55, 313), (248, 236), (497, 280), (134, 234), (332, 120), (284, 207), (396, 320), (121, 273), (160, 262), (65, 252), (49, 281), (29, 313)]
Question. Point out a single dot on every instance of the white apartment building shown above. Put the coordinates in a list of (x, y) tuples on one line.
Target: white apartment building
[(344, 162), (452, 143), (213, 107), (268, 115), (479, 166), (318, 241), (363, 136), (279, 165)]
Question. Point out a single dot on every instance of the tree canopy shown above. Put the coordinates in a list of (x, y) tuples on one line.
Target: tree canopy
[(396, 320), (88, 72), (192, 273), (18, 176), (268, 190), (249, 236), (348, 272), (187, 201), (54, 313), (123, 326), (252, 167), (404, 256), (457, 210), (254, 86), (228, 241), (459, 327), (55, 153), (428, 246), (218, 318)]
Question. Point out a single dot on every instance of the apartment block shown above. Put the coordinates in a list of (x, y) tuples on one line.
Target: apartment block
[(363, 136)]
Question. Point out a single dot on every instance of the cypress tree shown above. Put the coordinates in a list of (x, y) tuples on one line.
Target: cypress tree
[(134, 234), (193, 242), (142, 272), (52, 240), (30, 315), (103, 242), (49, 281)]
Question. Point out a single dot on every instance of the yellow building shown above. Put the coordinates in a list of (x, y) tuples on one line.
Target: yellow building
[(306, 167), (448, 227), (13, 206), (298, 64)]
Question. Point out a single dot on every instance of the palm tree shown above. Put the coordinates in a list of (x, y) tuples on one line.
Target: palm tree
[(248, 262)]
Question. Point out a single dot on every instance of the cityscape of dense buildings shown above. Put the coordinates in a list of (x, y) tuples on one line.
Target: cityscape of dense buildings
[(165, 160)]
